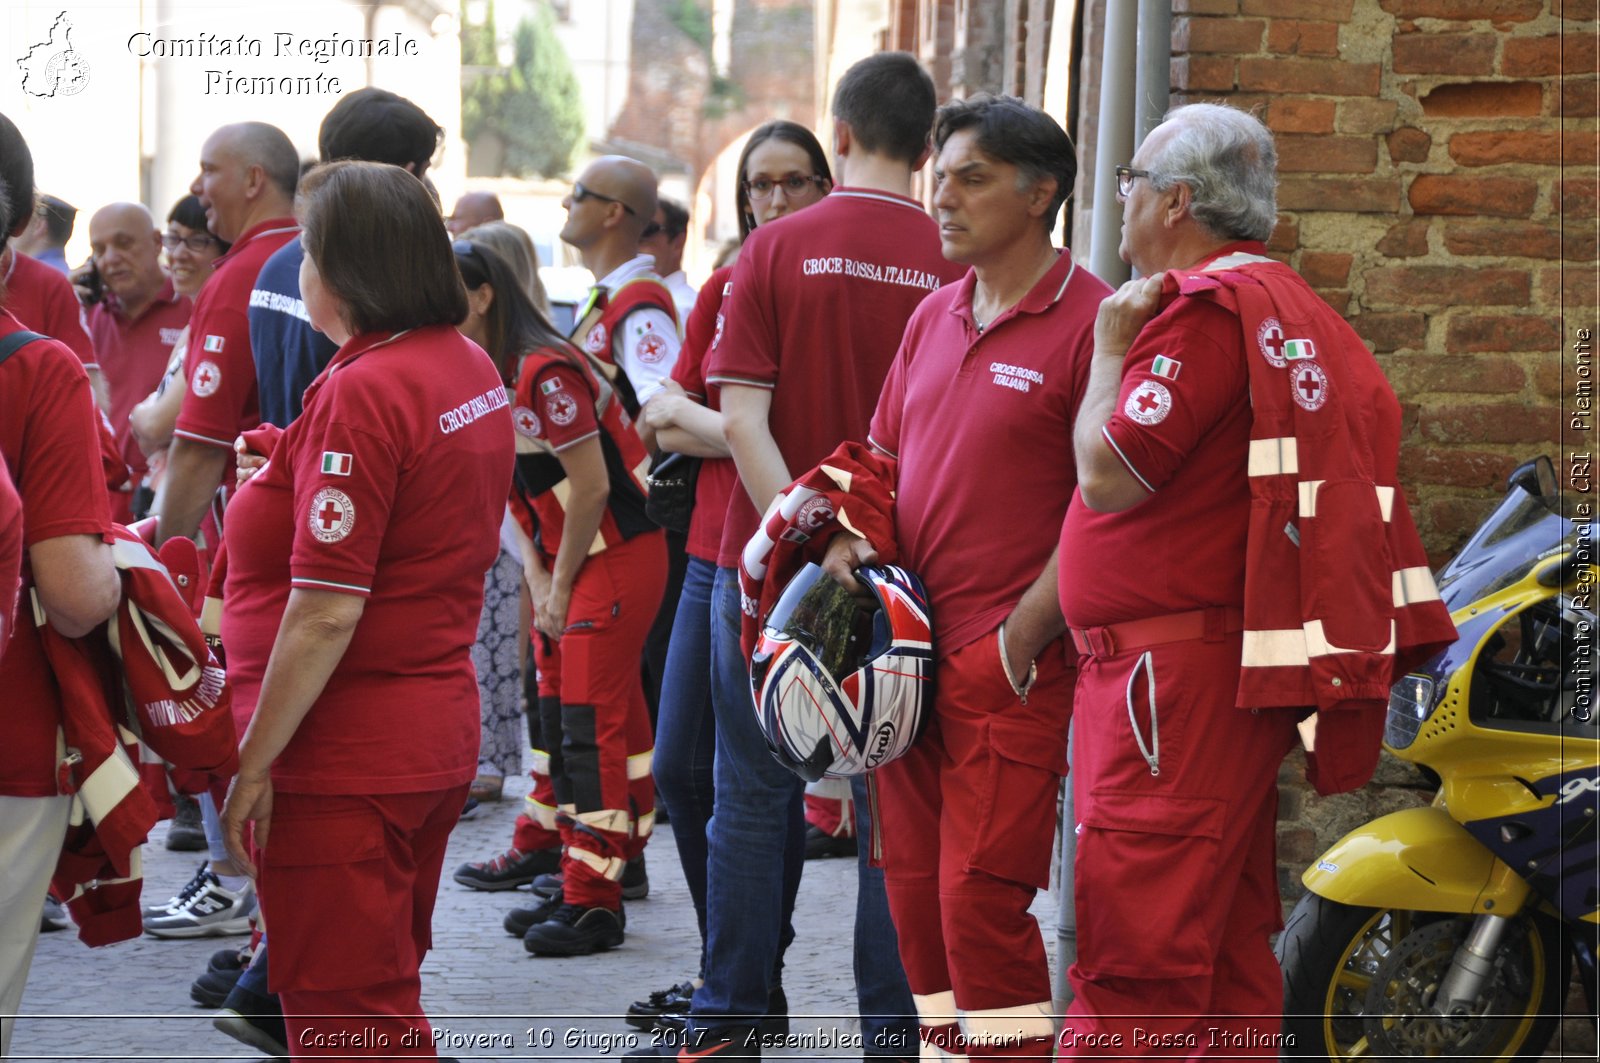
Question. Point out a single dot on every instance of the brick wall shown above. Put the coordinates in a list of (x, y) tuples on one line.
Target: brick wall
[(1437, 163)]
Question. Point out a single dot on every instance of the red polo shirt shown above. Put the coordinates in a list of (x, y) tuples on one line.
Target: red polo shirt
[(42, 299), (221, 399), (391, 485), (50, 440), (133, 356), (10, 550), (819, 301), (981, 424), (717, 475)]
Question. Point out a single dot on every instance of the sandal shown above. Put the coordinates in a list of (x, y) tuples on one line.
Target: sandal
[(487, 788)]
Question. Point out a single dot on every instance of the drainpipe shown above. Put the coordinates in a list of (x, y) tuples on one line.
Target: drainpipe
[(1154, 77), (1114, 139)]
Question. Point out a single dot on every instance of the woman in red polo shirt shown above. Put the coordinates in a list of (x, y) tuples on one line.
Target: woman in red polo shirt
[(356, 561)]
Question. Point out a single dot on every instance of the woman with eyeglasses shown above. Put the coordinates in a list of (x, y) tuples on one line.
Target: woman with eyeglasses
[(595, 566), (354, 584), (782, 169), (191, 253)]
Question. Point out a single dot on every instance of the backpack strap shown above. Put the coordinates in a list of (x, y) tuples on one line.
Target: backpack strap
[(9, 345)]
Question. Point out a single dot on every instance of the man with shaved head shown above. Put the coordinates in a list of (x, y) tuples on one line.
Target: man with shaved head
[(246, 184), (472, 210), (134, 325)]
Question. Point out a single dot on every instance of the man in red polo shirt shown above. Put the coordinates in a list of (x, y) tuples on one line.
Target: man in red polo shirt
[(134, 325), (818, 304), (248, 173), (978, 411)]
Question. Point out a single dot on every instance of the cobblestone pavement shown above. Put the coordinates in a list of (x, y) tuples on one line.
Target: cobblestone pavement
[(486, 997)]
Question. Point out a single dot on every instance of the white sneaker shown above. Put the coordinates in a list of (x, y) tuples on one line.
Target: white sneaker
[(190, 888), (209, 911)]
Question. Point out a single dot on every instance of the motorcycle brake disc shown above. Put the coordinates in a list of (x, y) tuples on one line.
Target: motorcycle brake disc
[(1398, 1016)]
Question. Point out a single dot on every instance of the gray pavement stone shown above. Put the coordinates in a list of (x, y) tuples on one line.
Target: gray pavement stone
[(486, 997)]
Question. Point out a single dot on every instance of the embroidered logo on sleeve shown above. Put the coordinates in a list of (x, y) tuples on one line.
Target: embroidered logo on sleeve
[(213, 344), (332, 516), (650, 349), (1310, 387), (526, 422), (207, 377), (549, 387), (595, 341), (1298, 349), (718, 337), (336, 464), (1149, 403), (1271, 339), (562, 408), (1165, 367)]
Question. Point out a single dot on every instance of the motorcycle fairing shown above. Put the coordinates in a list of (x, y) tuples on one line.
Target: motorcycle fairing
[(1556, 845)]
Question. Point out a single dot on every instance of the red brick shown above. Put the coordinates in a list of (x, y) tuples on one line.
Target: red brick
[(1371, 195), (1577, 98), (1507, 197), (1391, 331), (1580, 243), (1567, 287), (1285, 235), (1455, 467), (1406, 239), (1297, 846), (1444, 53), (1291, 37), (1451, 520), (1503, 239), (1432, 374), (1367, 116), (1328, 10), (1484, 333), (1309, 76), (1239, 35), (1205, 7), (1325, 269), (1446, 286), (1487, 99), (1409, 145), (1490, 423), (1327, 154), (1578, 10), (1548, 379), (1491, 148), (1576, 199), (1464, 10), (1534, 57), (1579, 149), (1300, 115), (1202, 73), (1339, 300)]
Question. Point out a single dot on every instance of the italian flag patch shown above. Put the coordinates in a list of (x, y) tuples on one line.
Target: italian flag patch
[(547, 387), (336, 464), (1299, 349), (1164, 366)]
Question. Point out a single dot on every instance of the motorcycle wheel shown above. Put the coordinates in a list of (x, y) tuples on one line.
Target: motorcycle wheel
[(1344, 998)]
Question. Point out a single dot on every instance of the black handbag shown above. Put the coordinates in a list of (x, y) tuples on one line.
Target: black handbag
[(670, 499)]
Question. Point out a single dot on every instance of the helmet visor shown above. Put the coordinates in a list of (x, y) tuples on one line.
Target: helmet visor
[(824, 618)]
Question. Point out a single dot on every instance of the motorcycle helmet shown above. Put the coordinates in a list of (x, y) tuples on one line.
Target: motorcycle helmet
[(840, 687)]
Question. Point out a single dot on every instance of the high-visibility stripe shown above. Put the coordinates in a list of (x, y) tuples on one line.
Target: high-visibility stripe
[(1413, 585), (607, 819), (1234, 261), (936, 1009), (1317, 644), (1280, 648), (541, 762), (995, 1026), (1308, 497), (108, 784), (645, 825), (639, 765), (1385, 501), (1274, 457), (542, 814), (843, 477), (610, 867)]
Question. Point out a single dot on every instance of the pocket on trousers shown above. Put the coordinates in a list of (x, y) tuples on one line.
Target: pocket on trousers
[(331, 916), (1144, 865), (1016, 813)]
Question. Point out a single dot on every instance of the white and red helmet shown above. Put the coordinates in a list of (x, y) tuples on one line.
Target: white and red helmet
[(841, 688)]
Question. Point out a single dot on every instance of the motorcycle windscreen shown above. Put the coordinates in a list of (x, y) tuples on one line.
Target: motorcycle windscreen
[(826, 619)]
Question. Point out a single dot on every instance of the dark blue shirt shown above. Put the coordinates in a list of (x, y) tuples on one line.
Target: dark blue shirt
[(289, 353)]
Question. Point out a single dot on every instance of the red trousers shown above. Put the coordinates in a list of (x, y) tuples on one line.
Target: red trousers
[(597, 726), (1176, 879), (347, 885), (968, 820)]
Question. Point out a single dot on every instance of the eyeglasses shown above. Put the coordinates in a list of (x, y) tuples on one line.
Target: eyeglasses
[(650, 230), (196, 243), (580, 193), (794, 186), (1125, 176)]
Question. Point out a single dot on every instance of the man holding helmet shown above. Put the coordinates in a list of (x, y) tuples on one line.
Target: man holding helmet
[(977, 411)]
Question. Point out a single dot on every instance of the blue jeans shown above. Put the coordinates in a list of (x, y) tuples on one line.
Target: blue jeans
[(756, 850), (686, 734)]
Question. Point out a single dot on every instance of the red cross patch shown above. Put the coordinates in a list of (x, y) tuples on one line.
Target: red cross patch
[(1310, 387), (562, 408), (595, 341), (526, 422), (206, 380), (1271, 339), (332, 515), (651, 349), (1149, 403)]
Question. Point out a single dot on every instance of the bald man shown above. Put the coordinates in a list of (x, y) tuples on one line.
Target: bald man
[(474, 209), (246, 184), (134, 325)]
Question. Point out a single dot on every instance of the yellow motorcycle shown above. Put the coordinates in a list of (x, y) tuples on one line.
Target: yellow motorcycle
[(1453, 930)]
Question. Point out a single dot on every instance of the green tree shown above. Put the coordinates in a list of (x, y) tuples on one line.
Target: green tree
[(533, 107)]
